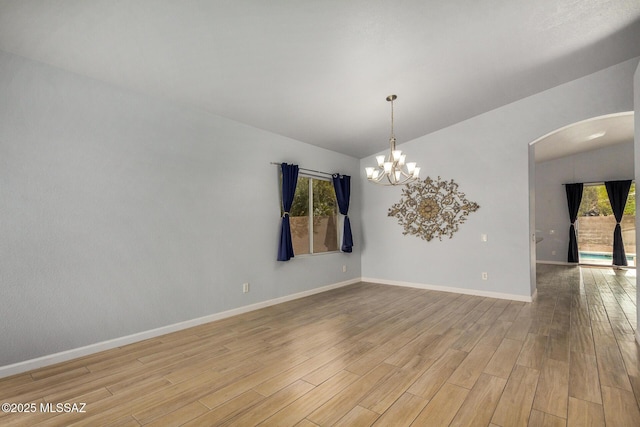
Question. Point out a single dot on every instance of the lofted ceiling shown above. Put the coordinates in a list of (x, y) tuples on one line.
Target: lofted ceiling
[(319, 71)]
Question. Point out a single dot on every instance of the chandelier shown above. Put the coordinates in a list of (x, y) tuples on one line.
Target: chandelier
[(393, 170)]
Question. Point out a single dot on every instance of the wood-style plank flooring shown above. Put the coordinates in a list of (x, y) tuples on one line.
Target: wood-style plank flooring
[(368, 355)]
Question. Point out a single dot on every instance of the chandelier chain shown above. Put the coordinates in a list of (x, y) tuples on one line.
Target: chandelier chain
[(392, 135)]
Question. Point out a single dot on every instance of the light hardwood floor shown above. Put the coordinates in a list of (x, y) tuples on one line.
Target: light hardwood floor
[(368, 355)]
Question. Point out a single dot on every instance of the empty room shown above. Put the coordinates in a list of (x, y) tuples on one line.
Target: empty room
[(319, 213)]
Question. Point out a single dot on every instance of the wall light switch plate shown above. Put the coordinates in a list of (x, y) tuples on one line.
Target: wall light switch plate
[(484, 237)]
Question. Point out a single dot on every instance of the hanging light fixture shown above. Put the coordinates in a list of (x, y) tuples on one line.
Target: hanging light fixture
[(394, 169)]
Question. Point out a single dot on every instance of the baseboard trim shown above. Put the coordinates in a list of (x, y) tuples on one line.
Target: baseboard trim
[(464, 291), (63, 356), (638, 337), (568, 264), (586, 264)]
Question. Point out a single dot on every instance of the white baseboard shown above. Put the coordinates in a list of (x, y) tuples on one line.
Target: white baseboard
[(568, 264), (463, 291), (63, 356), (585, 264)]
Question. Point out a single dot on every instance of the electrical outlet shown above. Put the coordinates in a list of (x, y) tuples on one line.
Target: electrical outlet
[(245, 288), (485, 275), (484, 237), (553, 252), (344, 268)]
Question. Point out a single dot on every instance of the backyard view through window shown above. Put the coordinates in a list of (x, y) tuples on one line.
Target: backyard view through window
[(313, 217), (596, 224)]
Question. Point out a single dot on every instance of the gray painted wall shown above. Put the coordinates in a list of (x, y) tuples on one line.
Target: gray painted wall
[(605, 164), (488, 156), (117, 216), (120, 213)]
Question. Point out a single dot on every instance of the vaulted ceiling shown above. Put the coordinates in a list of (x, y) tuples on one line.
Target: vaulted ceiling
[(319, 71)]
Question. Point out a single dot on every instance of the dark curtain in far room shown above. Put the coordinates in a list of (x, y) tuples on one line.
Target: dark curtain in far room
[(574, 197), (618, 191)]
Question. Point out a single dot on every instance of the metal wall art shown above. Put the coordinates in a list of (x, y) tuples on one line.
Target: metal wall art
[(432, 208)]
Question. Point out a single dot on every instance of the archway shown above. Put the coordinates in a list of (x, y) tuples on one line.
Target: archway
[(590, 151)]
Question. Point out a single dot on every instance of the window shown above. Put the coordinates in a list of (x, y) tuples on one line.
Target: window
[(596, 223), (313, 216)]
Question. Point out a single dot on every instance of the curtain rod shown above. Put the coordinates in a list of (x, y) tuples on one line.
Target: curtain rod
[(598, 182), (306, 170)]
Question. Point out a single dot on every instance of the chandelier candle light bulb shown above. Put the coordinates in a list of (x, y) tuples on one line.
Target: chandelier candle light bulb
[(393, 170)]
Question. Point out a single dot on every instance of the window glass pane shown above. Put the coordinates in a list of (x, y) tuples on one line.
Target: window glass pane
[(299, 217), (325, 228), (596, 224), (314, 227)]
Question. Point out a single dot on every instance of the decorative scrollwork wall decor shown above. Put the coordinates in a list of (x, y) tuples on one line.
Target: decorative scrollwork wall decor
[(432, 208)]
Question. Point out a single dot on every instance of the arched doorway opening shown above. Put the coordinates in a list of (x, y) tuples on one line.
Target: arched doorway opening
[(590, 152)]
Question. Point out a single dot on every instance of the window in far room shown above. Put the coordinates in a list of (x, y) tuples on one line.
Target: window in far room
[(313, 216), (596, 223)]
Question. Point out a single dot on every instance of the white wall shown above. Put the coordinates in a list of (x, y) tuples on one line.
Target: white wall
[(606, 164), (488, 156), (120, 213)]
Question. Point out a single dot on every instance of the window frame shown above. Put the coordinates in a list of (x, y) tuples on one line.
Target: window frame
[(311, 178)]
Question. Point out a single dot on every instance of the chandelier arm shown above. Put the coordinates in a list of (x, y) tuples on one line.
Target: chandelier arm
[(378, 178)]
